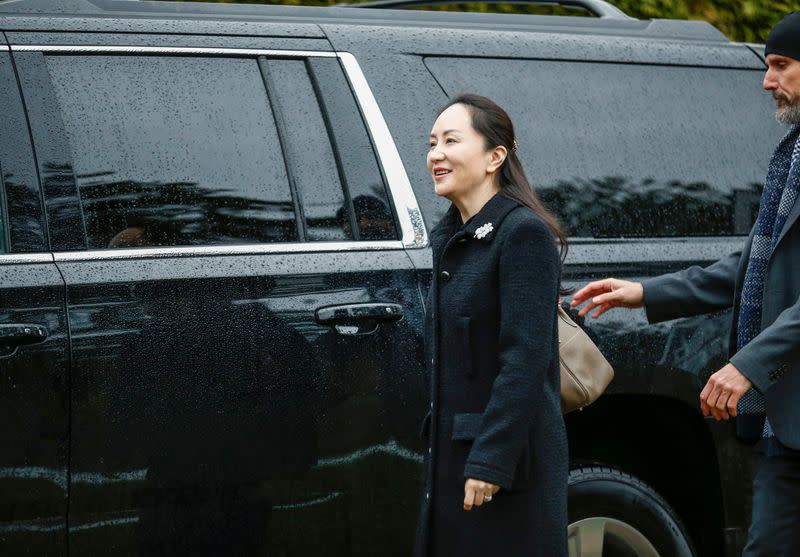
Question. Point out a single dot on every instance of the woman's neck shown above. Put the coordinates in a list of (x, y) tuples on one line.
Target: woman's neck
[(470, 205)]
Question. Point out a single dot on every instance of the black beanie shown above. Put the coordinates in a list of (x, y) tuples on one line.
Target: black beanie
[(784, 39)]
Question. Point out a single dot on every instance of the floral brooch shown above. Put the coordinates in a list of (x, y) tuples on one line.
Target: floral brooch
[(482, 231)]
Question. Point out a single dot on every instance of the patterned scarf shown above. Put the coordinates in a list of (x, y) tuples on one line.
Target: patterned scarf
[(780, 192)]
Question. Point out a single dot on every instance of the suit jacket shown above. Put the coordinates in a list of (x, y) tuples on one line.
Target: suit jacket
[(771, 361), (494, 378)]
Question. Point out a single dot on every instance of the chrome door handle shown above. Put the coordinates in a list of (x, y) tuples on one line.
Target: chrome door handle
[(18, 334), (348, 313)]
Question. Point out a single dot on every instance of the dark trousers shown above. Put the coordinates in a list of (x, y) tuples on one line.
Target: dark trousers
[(775, 527)]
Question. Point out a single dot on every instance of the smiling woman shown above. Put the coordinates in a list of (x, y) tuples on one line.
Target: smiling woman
[(460, 163), (496, 472), (478, 137)]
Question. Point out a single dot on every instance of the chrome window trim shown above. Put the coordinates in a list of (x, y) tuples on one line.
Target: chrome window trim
[(412, 226), (239, 249), (25, 258), (595, 251), (408, 213), (171, 50)]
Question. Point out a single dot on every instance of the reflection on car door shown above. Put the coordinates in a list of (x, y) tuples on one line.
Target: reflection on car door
[(245, 329), (34, 351)]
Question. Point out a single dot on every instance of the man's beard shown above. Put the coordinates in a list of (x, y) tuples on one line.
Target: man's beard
[(790, 112)]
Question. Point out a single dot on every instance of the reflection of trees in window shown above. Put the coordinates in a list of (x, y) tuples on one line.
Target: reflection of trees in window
[(373, 214), (3, 224), (129, 213), (23, 212), (372, 217), (615, 206)]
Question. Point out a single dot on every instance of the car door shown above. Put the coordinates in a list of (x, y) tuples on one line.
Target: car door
[(34, 351), (246, 325)]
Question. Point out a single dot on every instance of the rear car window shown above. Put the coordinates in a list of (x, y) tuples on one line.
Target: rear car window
[(310, 152), (333, 164), (173, 151), (21, 229), (372, 212), (3, 219), (620, 150)]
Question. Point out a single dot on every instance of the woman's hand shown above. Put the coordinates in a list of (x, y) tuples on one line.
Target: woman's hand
[(476, 492)]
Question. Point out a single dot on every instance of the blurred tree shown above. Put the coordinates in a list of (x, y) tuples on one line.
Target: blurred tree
[(740, 20)]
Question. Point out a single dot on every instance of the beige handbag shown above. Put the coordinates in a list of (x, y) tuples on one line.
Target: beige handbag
[(585, 373)]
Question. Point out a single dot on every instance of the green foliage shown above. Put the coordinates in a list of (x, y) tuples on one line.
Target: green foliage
[(740, 20)]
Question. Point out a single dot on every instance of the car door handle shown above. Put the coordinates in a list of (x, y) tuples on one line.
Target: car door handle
[(18, 334), (349, 313)]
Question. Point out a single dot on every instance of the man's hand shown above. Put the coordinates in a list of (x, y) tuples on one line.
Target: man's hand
[(722, 392), (476, 491), (608, 293)]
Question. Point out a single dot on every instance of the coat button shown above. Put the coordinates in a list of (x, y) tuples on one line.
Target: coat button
[(445, 276), (428, 496)]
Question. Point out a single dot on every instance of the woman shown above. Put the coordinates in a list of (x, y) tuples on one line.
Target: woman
[(496, 475)]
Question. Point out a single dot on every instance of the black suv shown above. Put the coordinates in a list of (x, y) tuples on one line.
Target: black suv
[(214, 257)]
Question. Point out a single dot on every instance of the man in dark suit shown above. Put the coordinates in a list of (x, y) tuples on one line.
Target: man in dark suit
[(760, 384)]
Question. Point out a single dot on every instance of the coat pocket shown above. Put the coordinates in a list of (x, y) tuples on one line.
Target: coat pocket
[(466, 426), (523, 471), (464, 345)]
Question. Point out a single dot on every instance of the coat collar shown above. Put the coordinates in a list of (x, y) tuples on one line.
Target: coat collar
[(445, 228), (482, 226)]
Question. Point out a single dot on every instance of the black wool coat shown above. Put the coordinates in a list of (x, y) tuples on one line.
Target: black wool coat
[(492, 356)]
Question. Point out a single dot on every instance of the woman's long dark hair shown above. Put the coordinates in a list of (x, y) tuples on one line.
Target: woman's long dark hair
[(494, 124)]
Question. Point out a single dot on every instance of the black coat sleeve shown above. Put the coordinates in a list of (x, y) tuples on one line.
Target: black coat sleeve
[(529, 274)]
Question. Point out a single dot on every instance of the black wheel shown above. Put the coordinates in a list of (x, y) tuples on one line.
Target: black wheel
[(613, 514)]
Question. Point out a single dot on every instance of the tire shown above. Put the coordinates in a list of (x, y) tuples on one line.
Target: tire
[(613, 514)]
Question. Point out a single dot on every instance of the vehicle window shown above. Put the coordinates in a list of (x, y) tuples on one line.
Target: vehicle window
[(3, 219), (172, 151), (310, 153), (632, 150), (21, 222), (365, 184)]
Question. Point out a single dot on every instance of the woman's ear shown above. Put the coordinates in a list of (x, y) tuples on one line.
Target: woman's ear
[(497, 157)]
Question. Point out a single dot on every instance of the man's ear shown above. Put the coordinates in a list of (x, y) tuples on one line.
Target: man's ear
[(497, 158)]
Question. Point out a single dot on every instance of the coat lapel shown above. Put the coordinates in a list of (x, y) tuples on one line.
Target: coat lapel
[(790, 220), (483, 225), (445, 229), (794, 170)]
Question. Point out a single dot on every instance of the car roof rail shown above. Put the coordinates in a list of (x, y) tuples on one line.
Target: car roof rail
[(599, 8), (34, 7)]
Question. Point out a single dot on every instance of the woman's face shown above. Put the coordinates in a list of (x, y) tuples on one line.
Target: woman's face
[(458, 159)]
